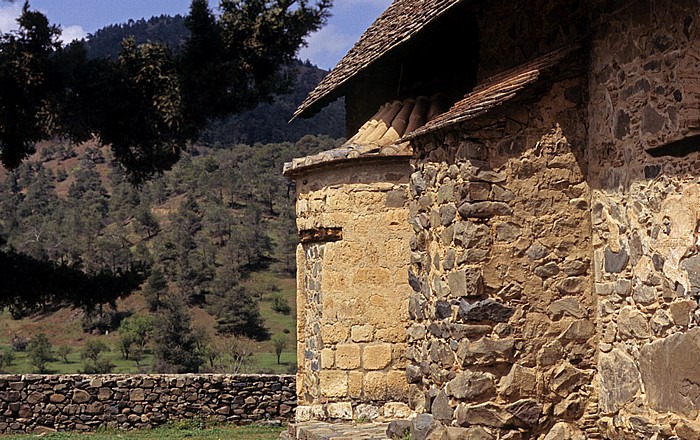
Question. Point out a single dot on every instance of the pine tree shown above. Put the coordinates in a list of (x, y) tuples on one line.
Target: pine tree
[(175, 343)]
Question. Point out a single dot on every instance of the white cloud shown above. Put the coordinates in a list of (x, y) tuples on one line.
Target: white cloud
[(8, 16), (70, 33)]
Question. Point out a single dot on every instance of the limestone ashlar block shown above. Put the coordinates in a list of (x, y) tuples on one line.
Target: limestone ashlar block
[(362, 333), (376, 357), (347, 356), (355, 379), (375, 386), (397, 386), (334, 383)]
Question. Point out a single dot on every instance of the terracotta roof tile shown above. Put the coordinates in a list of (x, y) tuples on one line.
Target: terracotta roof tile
[(378, 137), (401, 20), (493, 92)]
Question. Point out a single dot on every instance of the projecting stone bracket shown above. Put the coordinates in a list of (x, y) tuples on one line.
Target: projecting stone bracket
[(320, 235)]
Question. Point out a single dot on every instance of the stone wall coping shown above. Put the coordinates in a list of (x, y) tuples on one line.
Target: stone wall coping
[(22, 377), (344, 154)]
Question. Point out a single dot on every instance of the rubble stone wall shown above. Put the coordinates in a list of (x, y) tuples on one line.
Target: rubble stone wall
[(353, 290), (644, 93), (504, 338), (47, 403)]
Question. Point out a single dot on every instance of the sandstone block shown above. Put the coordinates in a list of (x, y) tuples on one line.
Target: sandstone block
[(397, 386), (347, 356), (362, 333), (333, 384), (335, 333), (374, 385), (327, 358), (355, 379), (376, 357)]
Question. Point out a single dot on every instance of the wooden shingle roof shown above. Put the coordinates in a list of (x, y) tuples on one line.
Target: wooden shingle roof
[(494, 92), (401, 21)]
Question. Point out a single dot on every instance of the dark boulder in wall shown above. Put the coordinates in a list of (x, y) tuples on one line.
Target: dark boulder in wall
[(670, 372)]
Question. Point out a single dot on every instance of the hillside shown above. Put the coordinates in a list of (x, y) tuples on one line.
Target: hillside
[(218, 228)]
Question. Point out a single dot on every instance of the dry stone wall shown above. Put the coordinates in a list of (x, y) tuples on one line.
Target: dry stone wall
[(503, 341), (48, 403), (644, 94), (353, 290)]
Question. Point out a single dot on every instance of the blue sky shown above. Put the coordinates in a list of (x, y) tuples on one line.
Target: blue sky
[(78, 18)]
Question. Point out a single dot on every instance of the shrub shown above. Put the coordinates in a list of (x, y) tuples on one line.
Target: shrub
[(63, 351), (40, 353), (281, 305), (93, 362)]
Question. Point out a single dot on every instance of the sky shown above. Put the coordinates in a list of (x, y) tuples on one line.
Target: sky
[(78, 18)]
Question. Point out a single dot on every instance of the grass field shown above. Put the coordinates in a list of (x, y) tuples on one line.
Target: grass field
[(252, 432), (63, 327)]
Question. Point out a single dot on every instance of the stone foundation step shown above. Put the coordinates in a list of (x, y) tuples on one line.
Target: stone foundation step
[(337, 431)]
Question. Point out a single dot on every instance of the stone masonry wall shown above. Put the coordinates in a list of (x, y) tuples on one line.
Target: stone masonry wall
[(353, 290), (644, 93), (503, 341), (47, 403)]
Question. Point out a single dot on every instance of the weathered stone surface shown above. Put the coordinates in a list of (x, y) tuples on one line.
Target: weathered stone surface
[(616, 262), (413, 374), (681, 310), (398, 429), (465, 283), (485, 414), (526, 410), (443, 309), (485, 310), (80, 396), (688, 430), (569, 306), (470, 385), (619, 379), (485, 351), (441, 409), (520, 382), (484, 209), (564, 431), (580, 330), (421, 426), (339, 410), (632, 323), (669, 372), (692, 266)]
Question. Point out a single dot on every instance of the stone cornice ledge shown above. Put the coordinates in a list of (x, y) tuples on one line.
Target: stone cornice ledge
[(344, 154)]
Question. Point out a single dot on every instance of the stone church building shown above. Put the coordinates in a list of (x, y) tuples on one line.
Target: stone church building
[(508, 245)]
